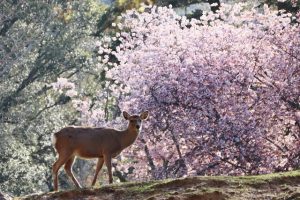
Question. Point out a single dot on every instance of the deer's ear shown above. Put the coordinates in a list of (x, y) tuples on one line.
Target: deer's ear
[(144, 115), (126, 115)]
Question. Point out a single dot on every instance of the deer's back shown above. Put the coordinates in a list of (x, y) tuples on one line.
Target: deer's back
[(87, 142)]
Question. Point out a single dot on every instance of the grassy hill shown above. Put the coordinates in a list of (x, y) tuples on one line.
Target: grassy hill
[(279, 186)]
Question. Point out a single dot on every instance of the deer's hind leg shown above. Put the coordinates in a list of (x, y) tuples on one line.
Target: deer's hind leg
[(62, 159), (68, 169)]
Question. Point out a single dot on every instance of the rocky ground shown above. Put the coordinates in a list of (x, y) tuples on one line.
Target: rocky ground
[(280, 186)]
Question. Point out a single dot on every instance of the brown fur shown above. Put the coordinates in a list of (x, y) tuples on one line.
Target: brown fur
[(87, 142)]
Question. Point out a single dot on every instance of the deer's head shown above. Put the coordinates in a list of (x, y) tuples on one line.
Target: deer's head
[(135, 121)]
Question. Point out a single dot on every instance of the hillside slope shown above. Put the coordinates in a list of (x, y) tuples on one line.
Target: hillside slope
[(280, 186)]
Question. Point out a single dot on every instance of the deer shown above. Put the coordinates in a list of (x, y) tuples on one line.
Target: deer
[(88, 143)]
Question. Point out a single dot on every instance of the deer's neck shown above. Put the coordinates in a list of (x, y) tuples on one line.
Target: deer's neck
[(129, 136)]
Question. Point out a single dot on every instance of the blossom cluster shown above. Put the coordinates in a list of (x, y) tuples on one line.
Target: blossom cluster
[(223, 90), (64, 84)]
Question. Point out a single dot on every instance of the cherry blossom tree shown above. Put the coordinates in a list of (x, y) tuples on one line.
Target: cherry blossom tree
[(223, 90)]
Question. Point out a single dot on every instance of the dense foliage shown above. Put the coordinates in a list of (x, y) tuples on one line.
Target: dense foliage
[(39, 41), (222, 90)]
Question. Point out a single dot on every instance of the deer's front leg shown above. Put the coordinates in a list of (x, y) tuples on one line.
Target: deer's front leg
[(107, 160), (98, 168)]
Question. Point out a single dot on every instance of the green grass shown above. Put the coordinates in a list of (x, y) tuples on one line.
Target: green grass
[(277, 186)]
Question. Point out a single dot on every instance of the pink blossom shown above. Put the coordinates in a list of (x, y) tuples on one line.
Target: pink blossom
[(222, 91)]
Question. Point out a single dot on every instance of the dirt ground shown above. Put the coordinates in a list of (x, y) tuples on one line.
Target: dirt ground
[(280, 186)]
